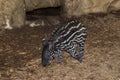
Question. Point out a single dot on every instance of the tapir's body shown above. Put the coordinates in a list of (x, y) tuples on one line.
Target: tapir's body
[(68, 37)]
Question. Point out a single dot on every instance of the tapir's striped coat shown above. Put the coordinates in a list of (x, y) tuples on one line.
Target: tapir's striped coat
[(68, 37)]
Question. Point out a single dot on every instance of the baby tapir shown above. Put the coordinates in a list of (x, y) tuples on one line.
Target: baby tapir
[(70, 37)]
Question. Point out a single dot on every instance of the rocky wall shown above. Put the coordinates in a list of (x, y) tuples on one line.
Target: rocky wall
[(12, 12), (83, 7)]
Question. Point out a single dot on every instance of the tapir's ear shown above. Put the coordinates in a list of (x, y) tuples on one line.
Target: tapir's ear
[(44, 42)]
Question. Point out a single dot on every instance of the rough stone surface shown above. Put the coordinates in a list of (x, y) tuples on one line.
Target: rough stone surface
[(12, 13), (75, 7), (81, 7), (115, 5), (35, 4)]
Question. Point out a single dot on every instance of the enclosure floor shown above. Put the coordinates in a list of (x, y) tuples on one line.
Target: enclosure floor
[(20, 53)]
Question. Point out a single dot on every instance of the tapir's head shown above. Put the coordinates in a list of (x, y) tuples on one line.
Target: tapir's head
[(47, 52)]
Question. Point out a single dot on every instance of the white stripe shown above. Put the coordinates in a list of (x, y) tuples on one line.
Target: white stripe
[(69, 31), (74, 34)]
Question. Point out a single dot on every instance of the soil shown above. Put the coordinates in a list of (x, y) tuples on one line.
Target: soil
[(20, 52)]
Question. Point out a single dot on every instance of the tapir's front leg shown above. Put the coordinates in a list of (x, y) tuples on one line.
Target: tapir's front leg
[(59, 56)]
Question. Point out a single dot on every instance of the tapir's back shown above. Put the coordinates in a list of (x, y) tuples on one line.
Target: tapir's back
[(71, 31), (70, 37)]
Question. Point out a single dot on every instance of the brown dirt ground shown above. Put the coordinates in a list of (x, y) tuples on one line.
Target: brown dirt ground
[(20, 51)]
